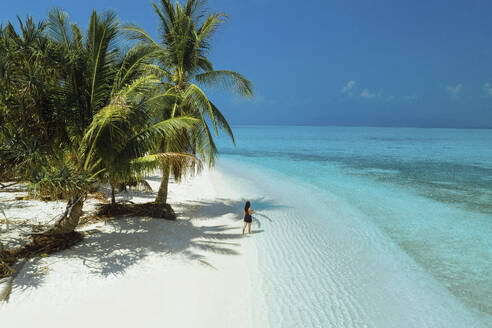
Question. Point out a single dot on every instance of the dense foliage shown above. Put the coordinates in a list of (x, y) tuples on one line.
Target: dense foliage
[(109, 104)]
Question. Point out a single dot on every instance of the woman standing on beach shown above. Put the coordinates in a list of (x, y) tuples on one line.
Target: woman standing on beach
[(247, 216)]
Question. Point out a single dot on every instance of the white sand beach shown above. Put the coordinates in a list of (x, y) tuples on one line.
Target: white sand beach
[(127, 272)]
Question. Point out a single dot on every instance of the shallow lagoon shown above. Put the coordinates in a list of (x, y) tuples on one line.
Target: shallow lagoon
[(356, 204)]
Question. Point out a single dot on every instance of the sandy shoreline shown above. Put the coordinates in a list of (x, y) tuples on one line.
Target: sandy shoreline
[(195, 272)]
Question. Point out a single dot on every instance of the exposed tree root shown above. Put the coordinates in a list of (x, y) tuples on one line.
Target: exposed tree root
[(100, 196), (40, 245), (5, 269), (161, 211)]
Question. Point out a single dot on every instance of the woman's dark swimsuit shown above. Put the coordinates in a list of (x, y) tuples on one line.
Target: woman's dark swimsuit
[(247, 218)]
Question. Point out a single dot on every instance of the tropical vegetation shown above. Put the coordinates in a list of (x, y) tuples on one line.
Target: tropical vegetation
[(108, 105), (186, 32)]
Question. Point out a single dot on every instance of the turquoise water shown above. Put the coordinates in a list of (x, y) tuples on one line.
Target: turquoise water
[(369, 227)]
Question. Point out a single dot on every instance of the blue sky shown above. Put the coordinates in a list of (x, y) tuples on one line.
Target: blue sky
[(378, 63)]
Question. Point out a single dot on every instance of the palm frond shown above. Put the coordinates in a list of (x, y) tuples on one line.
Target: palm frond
[(135, 32), (59, 27), (210, 26), (149, 137), (180, 163), (195, 98), (136, 62), (222, 122), (211, 149), (227, 79), (102, 46)]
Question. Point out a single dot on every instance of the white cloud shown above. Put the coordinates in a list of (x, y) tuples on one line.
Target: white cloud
[(455, 90), (351, 89), (366, 94), (488, 88), (348, 87)]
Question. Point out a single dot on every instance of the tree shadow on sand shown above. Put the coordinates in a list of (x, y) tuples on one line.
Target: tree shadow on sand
[(131, 240), (125, 242), (31, 276)]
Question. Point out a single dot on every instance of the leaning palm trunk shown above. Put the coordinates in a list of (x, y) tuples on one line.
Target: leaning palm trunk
[(178, 164), (185, 40), (71, 217), (163, 189)]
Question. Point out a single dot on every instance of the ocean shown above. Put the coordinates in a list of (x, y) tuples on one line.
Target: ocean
[(368, 227)]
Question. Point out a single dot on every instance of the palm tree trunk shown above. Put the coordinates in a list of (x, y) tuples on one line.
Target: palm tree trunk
[(71, 217), (162, 193), (113, 200)]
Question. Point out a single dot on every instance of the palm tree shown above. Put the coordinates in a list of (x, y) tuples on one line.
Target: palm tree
[(116, 94), (85, 104), (86, 67), (124, 134), (185, 41)]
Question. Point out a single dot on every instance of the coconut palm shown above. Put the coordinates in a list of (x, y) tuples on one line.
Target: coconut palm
[(124, 134), (87, 103), (185, 41), (118, 95)]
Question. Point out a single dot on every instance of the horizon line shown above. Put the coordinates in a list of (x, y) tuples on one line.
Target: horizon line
[(371, 126)]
